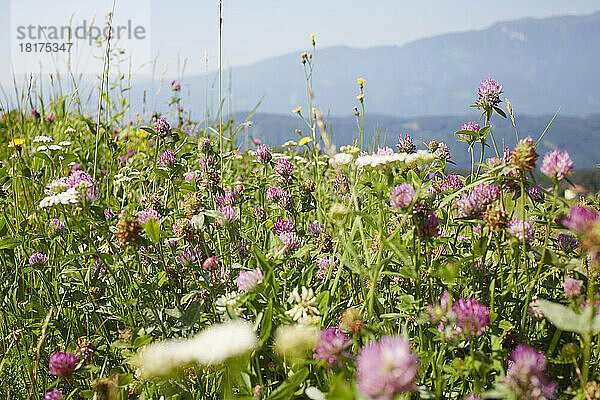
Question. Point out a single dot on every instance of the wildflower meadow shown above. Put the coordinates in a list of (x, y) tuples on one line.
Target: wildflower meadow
[(167, 258)]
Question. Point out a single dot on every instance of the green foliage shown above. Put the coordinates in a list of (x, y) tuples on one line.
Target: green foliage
[(331, 243)]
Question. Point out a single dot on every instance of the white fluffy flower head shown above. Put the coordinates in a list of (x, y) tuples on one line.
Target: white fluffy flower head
[(211, 346), (294, 340)]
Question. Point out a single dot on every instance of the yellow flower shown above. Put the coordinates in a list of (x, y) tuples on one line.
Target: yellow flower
[(360, 97), (312, 38), (361, 82), (304, 140), (297, 110), (141, 134), (16, 143)]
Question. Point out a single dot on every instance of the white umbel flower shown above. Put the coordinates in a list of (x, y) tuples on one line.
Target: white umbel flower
[(211, 346), (42, 139), (341, 159), (70, 196), (305, 304), (381, 161)]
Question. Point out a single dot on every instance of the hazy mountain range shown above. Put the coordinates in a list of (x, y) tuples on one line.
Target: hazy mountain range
[(542, 64), (425, 87)]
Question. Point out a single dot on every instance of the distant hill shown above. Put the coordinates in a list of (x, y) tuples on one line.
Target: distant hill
[(580, 136), (542, 64)]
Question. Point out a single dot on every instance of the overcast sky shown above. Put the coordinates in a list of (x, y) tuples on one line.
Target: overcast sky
[(257, 29)]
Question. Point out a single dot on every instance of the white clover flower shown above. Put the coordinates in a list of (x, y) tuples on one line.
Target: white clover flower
[(305, 304), (65, 143), (211, 346), (294, 340), (42, 139), (229, 300)]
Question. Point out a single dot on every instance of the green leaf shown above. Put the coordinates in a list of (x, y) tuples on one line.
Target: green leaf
[(161, 173), (466, 133), (568, 320), (266, 324), (9, 243), (142, 340), (499, 111), (152, 230), (161, 278), (43, 156), (323, 300), (286, 390), (483, 132), (414, 179), (173, 312), (404, 257)]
